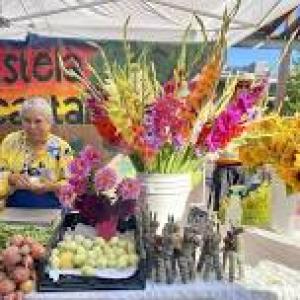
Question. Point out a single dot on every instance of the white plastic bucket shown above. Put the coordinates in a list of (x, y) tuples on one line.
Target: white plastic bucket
[(166, 194), (284, 217)]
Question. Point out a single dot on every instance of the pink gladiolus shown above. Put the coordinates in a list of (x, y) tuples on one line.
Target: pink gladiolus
[(105, 179), (129, 189), (229, 123)]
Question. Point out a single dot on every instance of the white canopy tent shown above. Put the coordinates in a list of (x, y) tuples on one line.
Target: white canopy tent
[(151, 20)]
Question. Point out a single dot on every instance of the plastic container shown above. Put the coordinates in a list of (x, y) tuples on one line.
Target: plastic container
[(80, 283), (166, 194)]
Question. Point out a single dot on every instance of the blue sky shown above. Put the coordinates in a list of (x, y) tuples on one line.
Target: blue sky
[(245, 56)]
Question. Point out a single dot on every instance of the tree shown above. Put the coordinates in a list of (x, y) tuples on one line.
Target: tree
[(164, 55), (292, 104)]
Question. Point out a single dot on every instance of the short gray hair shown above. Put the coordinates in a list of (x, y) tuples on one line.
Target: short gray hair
[(39, 104)]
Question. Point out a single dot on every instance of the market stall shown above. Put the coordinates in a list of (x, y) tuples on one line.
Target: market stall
[(74, 224)]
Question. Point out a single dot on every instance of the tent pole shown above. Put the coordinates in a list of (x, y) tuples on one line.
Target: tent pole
[(283, 74)]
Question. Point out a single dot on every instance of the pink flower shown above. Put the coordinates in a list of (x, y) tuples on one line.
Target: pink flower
[(80, 167), (129, 189), (67, 195), (91, 155), (79, 184), (228, 124), (105, 179)]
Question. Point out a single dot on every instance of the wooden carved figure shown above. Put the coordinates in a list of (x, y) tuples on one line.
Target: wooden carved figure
[(232, 254), (150, 241), (209, 259), (158, 261), (188, 251)]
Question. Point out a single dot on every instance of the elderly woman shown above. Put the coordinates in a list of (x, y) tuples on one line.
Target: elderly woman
[(33, 161)]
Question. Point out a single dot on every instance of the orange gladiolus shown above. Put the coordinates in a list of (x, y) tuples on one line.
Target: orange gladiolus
[(204, 87)]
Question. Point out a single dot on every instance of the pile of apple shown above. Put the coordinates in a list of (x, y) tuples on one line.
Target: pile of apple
[(89, 255), (17, 273)]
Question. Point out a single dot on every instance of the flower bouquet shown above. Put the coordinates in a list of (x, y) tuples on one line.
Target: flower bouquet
[(158, 124), (168, 128), (93, 189), (274, 140)]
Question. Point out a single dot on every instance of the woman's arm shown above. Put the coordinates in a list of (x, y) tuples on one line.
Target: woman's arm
[(4, 171), (47, 186)]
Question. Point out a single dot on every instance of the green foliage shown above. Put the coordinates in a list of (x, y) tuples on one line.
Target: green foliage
[(292, 105), (257, 206), (164, 56), (171, 161)]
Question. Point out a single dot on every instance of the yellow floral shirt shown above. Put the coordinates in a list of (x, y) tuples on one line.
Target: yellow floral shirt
[(17, 156)]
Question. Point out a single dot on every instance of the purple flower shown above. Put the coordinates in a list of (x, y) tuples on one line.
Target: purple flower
[(67, 195), (105, 179), (79, 184), (79, 167), (91, 156), (129, 189), (177, 141)]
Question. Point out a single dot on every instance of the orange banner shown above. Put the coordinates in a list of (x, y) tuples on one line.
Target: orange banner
[(33, 68)]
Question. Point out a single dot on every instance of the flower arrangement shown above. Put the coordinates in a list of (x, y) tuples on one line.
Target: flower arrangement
[(94, 190), (274, 140), (157, 124), (167, 128)]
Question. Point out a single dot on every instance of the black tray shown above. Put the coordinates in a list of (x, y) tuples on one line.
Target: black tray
[(70, 283)]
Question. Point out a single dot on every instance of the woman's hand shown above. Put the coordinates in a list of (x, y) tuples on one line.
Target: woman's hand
[(19, 181)]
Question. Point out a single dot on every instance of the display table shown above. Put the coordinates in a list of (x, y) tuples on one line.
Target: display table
[(266, 245), (192, 291), (268, 277)]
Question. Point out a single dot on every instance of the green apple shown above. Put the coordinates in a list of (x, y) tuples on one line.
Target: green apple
[(87, 270), (119, 251), (87, 243), (102, 262), (132, 260), (68, 237), (78, 238), (114, 240), (123, 261), (79, 260), (112, 263), (99, 241), (55, 252), (80, 249), (131, 248), (98, 250)]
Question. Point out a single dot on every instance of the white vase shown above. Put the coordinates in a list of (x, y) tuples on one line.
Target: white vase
[(284, 219), (166, 194)]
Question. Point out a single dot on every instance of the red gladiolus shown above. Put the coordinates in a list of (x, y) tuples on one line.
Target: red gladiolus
[(108, 131)]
